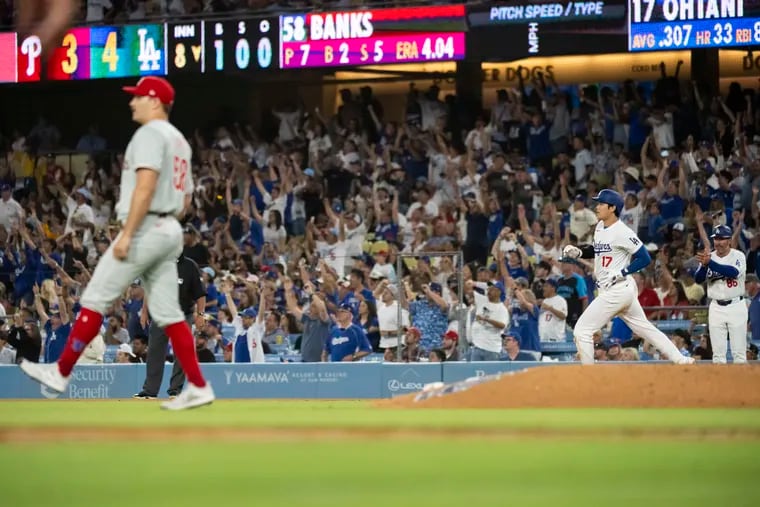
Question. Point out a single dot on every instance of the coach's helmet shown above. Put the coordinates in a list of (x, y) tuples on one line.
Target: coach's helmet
[(722, 232), (610, 197)]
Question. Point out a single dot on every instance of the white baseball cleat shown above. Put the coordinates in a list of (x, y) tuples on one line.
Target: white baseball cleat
[(191, 397), (46, 374), (688, 360)]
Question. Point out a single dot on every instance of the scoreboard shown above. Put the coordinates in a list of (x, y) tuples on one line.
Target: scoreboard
[(91, 53), (238, 46), (523, 28), (689, 24), (373, 37)]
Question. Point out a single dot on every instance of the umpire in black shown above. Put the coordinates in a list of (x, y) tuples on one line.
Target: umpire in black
[(192, 300)]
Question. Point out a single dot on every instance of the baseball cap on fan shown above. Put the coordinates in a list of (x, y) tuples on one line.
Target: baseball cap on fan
[(152, 86)]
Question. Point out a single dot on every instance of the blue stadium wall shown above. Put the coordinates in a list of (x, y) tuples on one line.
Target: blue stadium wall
[(315, 381)]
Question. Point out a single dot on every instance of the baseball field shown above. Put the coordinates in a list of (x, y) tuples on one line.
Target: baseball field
[(365, 453)]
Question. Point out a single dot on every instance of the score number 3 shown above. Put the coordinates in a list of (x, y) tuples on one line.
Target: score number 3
[(180, 173), (70, 65)]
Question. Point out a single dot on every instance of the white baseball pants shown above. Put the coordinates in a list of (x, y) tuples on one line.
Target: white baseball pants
[(620, 300), (728, 324)]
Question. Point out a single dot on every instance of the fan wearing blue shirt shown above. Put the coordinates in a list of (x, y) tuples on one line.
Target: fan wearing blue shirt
[(355, 288), (671, 201), (212, 293), (57, 328), (347, 341)]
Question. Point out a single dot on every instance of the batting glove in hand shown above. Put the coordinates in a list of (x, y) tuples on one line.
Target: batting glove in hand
[(610, 280), (572, 252)]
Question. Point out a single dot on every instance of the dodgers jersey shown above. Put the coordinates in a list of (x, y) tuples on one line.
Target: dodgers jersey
[(613, 248), (721, 288), (158, 146)]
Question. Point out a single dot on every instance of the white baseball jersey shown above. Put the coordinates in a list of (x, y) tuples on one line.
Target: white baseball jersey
[(158, 146), (254, 336), (613, 246), (722, 288), (550, 327)]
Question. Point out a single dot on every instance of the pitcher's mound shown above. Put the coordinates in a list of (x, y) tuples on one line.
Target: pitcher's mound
[(604, 385)]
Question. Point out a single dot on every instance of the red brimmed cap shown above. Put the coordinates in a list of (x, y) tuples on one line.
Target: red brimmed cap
[(152, 86), (451, 335)]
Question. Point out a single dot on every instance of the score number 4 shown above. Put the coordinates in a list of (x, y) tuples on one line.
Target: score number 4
[(149, 57)]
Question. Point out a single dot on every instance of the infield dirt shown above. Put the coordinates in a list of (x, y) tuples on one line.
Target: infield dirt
[(607, 386)]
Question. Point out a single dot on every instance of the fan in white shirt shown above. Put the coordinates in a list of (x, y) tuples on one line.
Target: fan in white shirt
[(330, 245), (632, 212), (11, 212), (491, 317), (391, 329), (383, 268), (551, 320), (289, 124), (248, 325), (582, 160), (582, 220), (81, 217), (354, 229), (428, 207)]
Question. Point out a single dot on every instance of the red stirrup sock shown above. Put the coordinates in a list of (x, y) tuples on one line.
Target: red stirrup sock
[(183, 345), (85, 330)]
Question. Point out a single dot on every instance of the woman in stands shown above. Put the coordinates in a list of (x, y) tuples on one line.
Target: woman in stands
[(676, 296), (367, 320)]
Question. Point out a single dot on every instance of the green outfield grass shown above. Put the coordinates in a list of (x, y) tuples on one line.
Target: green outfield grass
[(596, 465), (362, 414)]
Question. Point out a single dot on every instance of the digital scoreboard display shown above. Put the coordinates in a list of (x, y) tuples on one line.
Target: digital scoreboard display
[(185, 47), (503, 31), (95, 52), (372, 37), (691, 24), (241, 45)]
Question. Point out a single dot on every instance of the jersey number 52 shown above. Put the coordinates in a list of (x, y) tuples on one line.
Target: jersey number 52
[(180, 172)]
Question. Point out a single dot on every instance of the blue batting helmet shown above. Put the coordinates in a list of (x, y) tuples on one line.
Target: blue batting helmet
[(722, 231), (611, 198)]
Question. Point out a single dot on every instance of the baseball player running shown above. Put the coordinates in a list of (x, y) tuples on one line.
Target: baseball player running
[(156, 186), (725, 270), (617, 253)]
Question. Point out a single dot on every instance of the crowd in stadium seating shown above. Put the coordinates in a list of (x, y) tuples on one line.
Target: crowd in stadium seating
[(314, 216)]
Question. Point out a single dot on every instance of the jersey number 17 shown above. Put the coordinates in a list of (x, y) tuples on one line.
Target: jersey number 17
[(180, 172)]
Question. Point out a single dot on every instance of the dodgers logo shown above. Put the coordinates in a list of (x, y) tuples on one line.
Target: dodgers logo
[(340, 340), (602, 247)]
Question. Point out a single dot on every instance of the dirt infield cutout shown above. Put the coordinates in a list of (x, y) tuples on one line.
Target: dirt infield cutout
[(607, 386)]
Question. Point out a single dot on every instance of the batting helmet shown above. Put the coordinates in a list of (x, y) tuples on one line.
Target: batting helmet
[(611, 198), (722, 232)]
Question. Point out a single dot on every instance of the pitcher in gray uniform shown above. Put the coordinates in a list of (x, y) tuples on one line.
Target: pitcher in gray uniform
[(156, 188)]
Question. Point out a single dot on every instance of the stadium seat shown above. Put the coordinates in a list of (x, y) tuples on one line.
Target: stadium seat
[(668, 326)]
